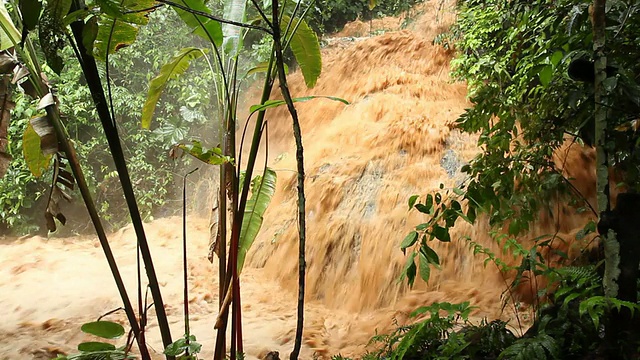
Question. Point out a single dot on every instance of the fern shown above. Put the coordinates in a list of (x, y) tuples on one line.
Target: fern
[(540, 347)]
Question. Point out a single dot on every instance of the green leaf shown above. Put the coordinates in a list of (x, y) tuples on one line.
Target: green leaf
[(556, 58), (205, 28), (181, 346), (90, 33), (212, 156), (412, 200), (103, 329), (92, 346), (30, 10), (306, 49), (261, 195), (441, 233), (610, 84), (176, 66), (430, 254), (372, 4), (410, 269), (275, 103), (545, 75), (33, 156), (119, 24), (425, 270), (409, 240)]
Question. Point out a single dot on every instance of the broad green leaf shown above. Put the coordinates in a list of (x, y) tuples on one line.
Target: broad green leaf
[(212, 156), (95, 346), (36, 161), (261, 196), (51, 32), (412, 200), (275, 103), (545, 75), (103, 329), (176, 66), (119, 24), (306, 49), (206, 28), (425, 270), (409, 240), (373, 4), (30, 10)]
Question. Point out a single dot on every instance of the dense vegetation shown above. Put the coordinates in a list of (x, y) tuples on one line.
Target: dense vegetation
[(530, 71)]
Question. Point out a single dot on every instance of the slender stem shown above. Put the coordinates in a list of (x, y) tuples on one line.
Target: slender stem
[(185, 269), (92, 76), (284, 88)]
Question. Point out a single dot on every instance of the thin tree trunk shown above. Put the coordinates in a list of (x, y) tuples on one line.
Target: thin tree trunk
[(611, 244), (297, 133)]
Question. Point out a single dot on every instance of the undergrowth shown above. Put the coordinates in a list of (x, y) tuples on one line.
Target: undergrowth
[(569, 324)]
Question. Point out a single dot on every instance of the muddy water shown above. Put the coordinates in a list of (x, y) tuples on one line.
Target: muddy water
[(363, 162)]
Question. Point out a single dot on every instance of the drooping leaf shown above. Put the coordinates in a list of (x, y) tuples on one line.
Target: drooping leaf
[(176, 66), (61, 178), (373, 4), (33, 156), (409, 270), (103, 329), (264, 188), (206, 28), (430, 255), (211, 156), (92, 346), (30, 10), (306, 49), (409, 240), (275, 103), (119, 24), (425, 270), (263, 67)]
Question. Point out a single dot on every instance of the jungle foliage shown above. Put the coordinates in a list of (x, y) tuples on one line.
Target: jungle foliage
[(530, 70)]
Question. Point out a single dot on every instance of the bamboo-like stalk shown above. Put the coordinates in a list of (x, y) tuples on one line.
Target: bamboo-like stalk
[(90, 70)]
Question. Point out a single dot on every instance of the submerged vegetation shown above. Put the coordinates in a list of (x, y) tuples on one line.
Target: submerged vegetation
[(545, 78)]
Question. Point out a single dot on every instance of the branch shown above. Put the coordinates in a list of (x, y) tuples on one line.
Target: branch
[(212, 17)]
